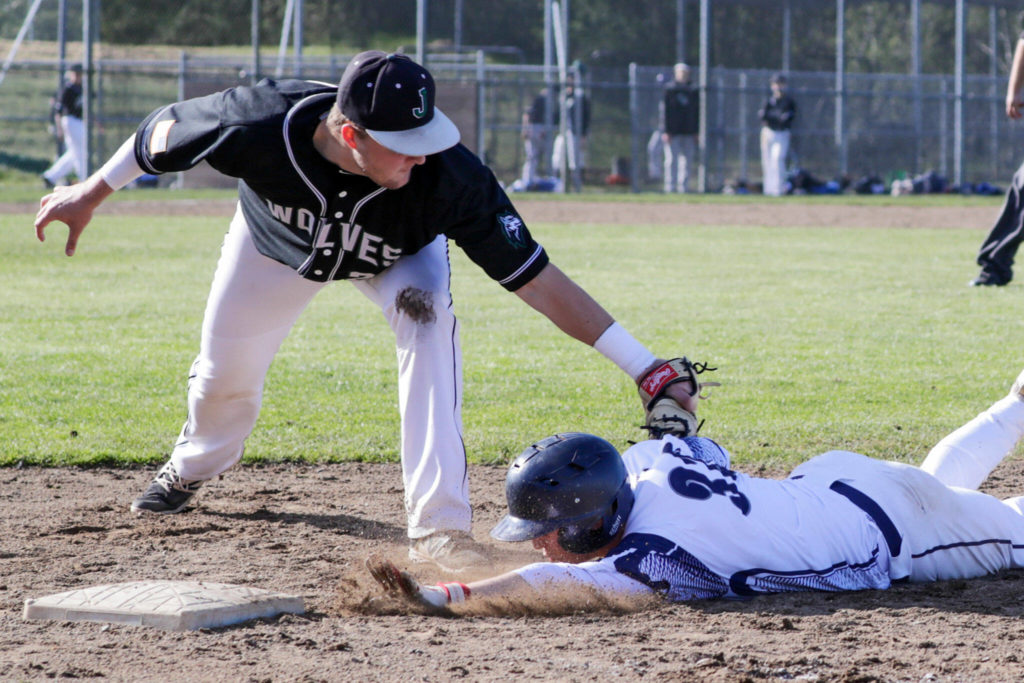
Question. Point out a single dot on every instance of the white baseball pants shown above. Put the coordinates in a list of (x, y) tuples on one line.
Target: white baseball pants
[(680, 152), (774, 149), (949, 530), (254, 301), (537, 147), (73, 158)]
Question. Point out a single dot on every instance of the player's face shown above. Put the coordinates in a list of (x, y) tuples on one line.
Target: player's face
[(381, 165)]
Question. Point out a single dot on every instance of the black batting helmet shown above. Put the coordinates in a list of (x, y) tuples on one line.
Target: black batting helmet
[(567, 482)]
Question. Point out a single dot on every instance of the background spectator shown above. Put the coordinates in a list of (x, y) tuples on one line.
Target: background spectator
[(680, 124), (69, 126), (571, 148), (540, 121), (776, 116)]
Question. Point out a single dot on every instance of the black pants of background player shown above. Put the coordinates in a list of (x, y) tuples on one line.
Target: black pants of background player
[(997, 251)]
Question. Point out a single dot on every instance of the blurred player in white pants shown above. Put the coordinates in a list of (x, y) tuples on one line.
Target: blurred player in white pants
[(672, 519), (776, 114), (69, 113)]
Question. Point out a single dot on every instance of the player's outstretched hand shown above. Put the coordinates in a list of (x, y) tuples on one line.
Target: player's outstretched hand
[(391, 578), (73, 206), (400, 583)]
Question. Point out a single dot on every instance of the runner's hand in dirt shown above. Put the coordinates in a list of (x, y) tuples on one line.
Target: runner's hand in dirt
[(403, 584), (73, 206)]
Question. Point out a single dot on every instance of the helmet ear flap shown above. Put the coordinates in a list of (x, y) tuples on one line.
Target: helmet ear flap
[(581, 539), (588, 536)]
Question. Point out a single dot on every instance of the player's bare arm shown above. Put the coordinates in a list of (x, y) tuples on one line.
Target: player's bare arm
[(566, 304), (72, 205), (1016, 82)]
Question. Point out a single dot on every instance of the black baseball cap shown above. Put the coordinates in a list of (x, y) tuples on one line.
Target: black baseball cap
[(392, 98)]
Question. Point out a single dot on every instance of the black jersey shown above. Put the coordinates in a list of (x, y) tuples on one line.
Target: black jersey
[(328, 224), (778, 112), (680, 109), (70, 100)]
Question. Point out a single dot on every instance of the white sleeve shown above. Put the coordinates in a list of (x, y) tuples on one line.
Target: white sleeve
[(564, 579), (641, 456), (122, 168)]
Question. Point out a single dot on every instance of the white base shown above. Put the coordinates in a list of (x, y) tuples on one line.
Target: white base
[(171, 605)]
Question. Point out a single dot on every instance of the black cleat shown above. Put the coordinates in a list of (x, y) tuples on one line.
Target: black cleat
[(167, 493), (988, 279)]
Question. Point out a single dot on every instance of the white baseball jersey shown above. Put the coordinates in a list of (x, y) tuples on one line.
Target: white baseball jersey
[(841, 521)]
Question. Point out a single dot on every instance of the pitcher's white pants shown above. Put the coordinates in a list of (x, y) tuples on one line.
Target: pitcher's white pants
[(949, 530), (774, 149), (254, 302), (73, 158)]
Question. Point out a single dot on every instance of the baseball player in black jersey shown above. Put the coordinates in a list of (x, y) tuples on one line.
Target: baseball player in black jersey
[(1000, 247), (71, 129), (679, 118), (366, 182), (776, 115)]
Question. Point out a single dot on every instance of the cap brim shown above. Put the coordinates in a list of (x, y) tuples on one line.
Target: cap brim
[(516, 529), (434, 137)]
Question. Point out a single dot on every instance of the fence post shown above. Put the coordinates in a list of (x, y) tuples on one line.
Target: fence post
[(179, 178), (634, 126), (705, 65), (99, 138), (959, 88), (481, 107), (88, 8), (944, 129), (254, 30), (744, 133), (720, 128), (840, 129)]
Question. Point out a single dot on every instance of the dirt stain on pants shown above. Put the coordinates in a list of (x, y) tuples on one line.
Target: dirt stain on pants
[(417, 304)]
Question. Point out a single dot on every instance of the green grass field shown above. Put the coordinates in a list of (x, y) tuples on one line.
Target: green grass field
[(862, 339)]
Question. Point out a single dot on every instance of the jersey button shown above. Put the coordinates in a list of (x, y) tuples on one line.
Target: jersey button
[(327, 252), (343, 193), (339, 214), (318, 272)]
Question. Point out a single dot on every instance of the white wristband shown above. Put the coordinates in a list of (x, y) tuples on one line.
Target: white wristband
[(444, 594), (122, 168), (435, 596), (619, 346)]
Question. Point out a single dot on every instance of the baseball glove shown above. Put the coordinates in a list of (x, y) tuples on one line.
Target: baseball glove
[(663, 414)]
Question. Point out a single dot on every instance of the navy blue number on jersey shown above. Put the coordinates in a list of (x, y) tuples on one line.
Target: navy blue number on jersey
[(698, 486)]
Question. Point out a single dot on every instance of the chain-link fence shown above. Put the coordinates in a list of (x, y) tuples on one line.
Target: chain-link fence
[(891, 125)]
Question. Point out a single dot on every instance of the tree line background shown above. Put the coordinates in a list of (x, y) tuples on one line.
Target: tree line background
[(602, 33)]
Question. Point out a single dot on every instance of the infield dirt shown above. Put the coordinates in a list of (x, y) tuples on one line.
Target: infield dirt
[(305, 530)]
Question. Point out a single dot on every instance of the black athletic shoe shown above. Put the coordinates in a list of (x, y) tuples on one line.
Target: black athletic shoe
[(46, 182), (988, 279), (167, 494)]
